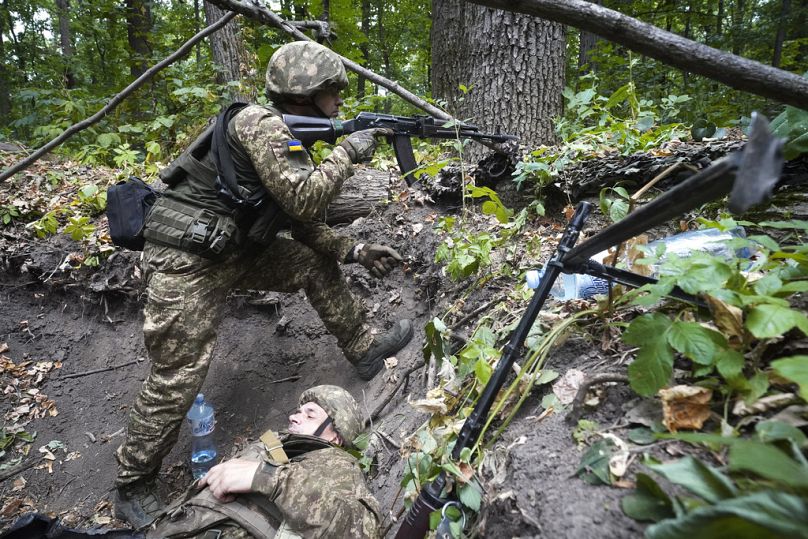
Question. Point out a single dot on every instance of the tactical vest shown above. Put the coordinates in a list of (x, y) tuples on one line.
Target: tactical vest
[(215, 201), (202, 516)]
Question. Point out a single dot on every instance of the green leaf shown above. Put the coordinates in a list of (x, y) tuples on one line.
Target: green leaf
[(697, 477), (648, 502), (767, 461), (729, 363), (470, 496), (647, 329), (695, 341), (762, 515), (641, 436), (594, 465), (794, 368), (482, 370), (653, 368), (767, 321), (774, 431)]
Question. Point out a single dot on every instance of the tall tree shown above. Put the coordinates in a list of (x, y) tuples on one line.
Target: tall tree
[(66, 41), (138, 27), (586, 44), (229, 54), (781, 33), (364, 47), (5, 90), (513, 65)]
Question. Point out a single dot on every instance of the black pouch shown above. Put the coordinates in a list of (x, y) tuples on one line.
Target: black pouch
[(128, 205)]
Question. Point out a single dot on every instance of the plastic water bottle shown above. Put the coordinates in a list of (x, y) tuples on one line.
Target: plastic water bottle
[(574, 286), (709, 240), (203, 449)]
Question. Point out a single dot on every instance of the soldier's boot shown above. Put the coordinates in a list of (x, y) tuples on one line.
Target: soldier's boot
[(383, 347), (138, 503)]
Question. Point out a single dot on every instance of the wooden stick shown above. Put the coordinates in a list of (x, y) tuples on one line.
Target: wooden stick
[(95, 118), (578, 403), (389, 397), (294, 378), (96, 371), (21, 467)]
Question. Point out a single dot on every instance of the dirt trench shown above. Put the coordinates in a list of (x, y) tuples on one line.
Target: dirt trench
[(270, 348)]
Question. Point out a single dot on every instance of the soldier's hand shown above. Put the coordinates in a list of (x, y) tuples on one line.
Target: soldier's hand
[(361, 145), (228, 478), (378, 259)]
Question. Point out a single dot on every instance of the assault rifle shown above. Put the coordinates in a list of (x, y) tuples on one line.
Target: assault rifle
[(750, 175), (310, 129)]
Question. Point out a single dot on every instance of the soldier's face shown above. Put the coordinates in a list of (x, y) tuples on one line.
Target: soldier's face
[(329, 101), (307, 418)]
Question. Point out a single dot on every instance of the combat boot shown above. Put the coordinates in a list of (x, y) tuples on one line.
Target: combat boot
[(138, 503), (383, 347)]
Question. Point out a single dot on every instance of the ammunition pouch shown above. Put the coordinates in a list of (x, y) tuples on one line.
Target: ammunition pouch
[(192, 229)]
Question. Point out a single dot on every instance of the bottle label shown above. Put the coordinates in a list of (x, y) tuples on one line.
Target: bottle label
[(202, 427)]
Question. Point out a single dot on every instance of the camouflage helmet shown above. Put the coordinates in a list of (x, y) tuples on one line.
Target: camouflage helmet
[(340, 406), (303, 68)]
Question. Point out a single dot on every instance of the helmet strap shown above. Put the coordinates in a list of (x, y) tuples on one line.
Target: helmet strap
[(324, 425)]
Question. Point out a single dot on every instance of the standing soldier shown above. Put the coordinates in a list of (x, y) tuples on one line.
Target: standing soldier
[(239, 183)]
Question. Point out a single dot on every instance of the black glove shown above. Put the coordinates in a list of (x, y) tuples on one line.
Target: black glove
[(361, 145), (378, 259)]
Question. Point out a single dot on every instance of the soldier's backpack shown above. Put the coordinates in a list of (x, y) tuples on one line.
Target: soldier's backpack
[(128, 205)]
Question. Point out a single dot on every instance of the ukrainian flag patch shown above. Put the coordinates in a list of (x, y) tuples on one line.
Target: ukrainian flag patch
[(295, 146)]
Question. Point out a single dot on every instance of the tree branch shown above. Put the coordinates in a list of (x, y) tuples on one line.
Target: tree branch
[(254, 10), (84, 124), (734, 71)]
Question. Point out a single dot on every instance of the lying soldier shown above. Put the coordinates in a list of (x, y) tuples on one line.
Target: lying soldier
[(308, 485)]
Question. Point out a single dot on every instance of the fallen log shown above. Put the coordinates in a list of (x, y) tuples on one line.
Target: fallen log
[(362, 193)]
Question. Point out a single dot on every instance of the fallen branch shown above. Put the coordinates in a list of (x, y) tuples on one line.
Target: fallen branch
[(96, 371), (578, 403), (95, 118), (21, 467), (294, 378), (734, 71), (389, 397), (482, 308)]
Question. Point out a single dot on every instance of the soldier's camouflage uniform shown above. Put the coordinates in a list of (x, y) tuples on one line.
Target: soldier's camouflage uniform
[(321, 493), (186, 292)]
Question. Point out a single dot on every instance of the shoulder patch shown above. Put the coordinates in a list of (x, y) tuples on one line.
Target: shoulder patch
[(294, 145)]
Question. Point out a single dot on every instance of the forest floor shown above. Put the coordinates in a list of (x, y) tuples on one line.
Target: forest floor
[(73, 360)]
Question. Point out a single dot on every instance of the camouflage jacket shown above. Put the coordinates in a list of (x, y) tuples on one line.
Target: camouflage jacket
[(301, 189), (321, 494)]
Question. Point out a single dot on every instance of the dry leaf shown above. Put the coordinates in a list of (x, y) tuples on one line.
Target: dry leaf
[(19, 484), (685, 407), (3, 347), (567, 386), (434, 403), (568, 212), (73, 455), (728, 319), (391, 362), (766, 404), (417, 227), (618, 463), (10, 509)]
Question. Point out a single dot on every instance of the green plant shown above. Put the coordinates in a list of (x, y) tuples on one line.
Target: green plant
[(8, 213), (45, 225), (748, 314), (79, 227), (762, 493)]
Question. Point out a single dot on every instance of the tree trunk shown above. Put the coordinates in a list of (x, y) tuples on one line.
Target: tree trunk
[(5, 95), (387, 68), (365, 48), (737, 27), (512, 65), (781, 33), (228, 51), (586, 44), (359, 195), (66, 41), (138, 27)]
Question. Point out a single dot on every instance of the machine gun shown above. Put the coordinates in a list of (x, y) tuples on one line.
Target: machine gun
[(310, 129), (749, 176)]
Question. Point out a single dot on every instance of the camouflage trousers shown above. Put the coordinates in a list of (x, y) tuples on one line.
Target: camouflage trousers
[(185, 303)]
